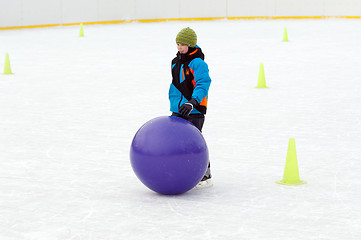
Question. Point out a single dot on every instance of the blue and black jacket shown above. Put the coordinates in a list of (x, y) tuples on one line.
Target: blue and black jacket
[(190, 80)]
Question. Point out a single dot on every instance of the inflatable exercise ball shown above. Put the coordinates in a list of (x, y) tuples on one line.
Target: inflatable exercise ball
[(169, 155)]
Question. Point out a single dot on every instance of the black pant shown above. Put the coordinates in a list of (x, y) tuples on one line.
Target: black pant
[(196, 119)]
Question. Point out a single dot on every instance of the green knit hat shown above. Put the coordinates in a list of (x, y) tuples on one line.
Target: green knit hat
[(187, 37)]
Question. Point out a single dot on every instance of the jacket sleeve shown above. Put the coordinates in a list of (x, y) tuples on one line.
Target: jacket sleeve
[(202, 80)]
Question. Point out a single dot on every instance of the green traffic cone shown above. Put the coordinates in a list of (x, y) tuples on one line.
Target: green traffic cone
[(81, 32), (285, 36), (291, 175), (7, 68), (261, 78)]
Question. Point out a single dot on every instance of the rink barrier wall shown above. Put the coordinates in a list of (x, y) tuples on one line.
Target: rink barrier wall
[(179, 19), (15, 14)]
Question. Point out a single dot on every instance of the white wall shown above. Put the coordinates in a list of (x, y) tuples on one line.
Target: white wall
[(299, 8), (11, 13), (203, 8), (44, 12), (251, 8), (37, 12), (343, 8), (155, 9)]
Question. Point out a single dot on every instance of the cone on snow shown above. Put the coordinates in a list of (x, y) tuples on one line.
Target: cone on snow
[(291, 175), (81, 32), (285, 36), (7, 68), (261, 78)]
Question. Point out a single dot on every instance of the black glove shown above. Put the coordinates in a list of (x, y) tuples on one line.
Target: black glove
[(187, 107)]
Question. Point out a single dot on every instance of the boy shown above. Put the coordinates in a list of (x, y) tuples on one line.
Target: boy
[(188, 92)]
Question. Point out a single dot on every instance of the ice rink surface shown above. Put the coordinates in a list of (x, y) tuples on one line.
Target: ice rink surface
[(70, 111)]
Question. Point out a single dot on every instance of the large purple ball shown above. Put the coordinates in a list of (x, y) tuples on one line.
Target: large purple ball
[(169, 155)]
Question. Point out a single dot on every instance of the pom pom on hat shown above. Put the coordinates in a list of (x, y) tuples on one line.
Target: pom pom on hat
[(187, 37)]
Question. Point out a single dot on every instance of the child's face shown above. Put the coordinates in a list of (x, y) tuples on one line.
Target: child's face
[(182, 48)]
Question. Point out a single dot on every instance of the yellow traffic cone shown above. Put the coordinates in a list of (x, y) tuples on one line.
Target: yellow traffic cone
[(291, 175), (7, 68), (81, 32), (285, 36), (261, 78)]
